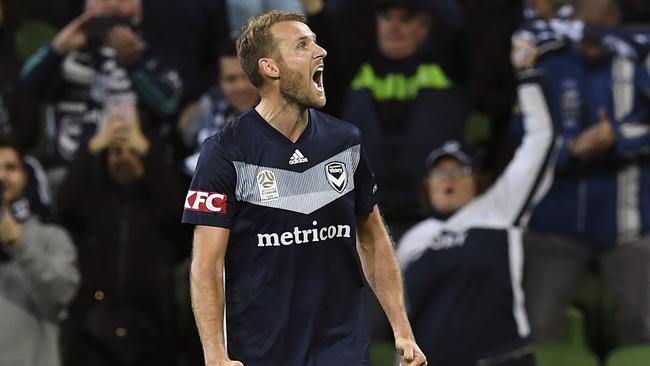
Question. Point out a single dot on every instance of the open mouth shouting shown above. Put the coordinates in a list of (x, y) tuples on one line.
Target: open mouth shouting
[(317, 78)]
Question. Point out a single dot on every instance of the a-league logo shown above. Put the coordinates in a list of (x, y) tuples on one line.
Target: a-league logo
[(337, 175), (267, 185)]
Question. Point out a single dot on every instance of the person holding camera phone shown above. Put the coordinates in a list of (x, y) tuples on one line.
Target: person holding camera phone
[(120, 201), (38, 272), (98, 56)]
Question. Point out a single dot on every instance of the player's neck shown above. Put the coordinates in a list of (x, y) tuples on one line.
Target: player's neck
[(288, 118)]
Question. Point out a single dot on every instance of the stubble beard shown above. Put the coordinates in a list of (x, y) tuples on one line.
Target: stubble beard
[(296, 91)]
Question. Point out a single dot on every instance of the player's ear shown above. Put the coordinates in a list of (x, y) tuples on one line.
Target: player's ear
[(269, 68)]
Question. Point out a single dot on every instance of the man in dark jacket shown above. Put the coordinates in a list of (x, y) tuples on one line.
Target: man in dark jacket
[(120, 201), (401, 96)]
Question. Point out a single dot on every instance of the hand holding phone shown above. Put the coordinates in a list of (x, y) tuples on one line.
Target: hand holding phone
[(97, 28), (127, 43), (122, 106)]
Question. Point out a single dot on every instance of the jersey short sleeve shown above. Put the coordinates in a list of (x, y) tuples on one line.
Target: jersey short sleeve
[(211, 198), (365, 186)]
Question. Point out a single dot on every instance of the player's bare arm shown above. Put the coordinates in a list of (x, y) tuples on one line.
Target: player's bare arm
[(206, 282), (383, 274)]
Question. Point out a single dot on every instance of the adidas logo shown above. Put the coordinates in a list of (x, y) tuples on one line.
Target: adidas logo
[(297, 158)]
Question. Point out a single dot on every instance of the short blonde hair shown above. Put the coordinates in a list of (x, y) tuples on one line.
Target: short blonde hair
[(256, 41)]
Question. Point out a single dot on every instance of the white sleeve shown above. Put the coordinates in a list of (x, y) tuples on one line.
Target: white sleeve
[(530, 173)]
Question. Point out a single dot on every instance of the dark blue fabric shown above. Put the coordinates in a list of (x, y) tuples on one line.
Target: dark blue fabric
[(290, 305), (459, 295), (398, 153)]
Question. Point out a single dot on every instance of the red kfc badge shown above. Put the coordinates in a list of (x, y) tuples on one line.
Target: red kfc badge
[(209, 202)]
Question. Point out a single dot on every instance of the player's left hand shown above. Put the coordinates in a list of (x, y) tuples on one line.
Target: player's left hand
[(410, 353)]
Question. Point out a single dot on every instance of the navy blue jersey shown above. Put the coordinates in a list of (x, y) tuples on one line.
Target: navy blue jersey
[(293, 280), (463, 275)]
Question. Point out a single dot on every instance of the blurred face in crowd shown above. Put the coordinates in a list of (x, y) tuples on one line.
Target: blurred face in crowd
[(122, 8), (12, 174), (598, 12), (124, 165), (234, 84), (545, 8), (300, 63), (450, 185), (399, 33)]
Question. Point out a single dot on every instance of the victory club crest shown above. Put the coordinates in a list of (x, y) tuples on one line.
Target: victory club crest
[(337, 175)]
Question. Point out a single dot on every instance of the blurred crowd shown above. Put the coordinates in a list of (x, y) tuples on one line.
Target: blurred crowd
[(104, 105)]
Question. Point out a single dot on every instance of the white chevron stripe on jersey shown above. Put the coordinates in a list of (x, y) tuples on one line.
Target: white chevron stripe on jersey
[(303, 192)]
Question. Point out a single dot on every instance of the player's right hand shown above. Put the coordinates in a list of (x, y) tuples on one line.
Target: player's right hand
[(410, 353), (225, 363)]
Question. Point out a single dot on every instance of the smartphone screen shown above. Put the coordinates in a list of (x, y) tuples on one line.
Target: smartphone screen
[(96, 28), (122, 106)]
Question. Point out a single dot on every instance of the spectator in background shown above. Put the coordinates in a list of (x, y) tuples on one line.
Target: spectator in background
[(120, 201), (240, 10), (550, 9), (551, 31), (38, 273), (463, 267), (96, 59), (405, 104), (187, 34), (349, 28), (15, 103), (401, 98), (224, 102), (597, 209)]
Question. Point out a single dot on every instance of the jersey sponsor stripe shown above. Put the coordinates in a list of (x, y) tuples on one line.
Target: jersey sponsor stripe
[(303, 192)]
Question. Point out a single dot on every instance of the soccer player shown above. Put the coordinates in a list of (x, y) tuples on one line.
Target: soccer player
[(279, 198)]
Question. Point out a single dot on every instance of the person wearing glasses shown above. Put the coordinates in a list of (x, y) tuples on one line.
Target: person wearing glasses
[(463, 266)]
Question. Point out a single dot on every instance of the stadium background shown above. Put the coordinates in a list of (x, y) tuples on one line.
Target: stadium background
[(471, 41)]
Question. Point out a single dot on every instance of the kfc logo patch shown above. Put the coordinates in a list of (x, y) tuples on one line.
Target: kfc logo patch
[(209, 202)]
